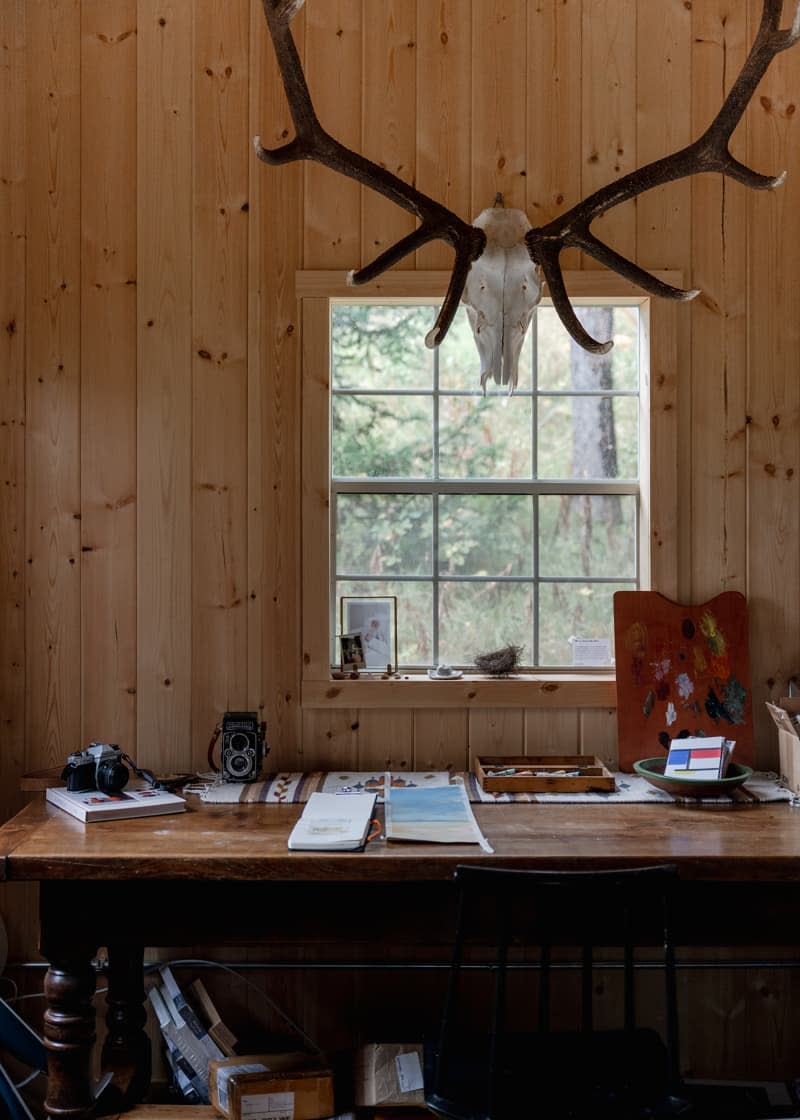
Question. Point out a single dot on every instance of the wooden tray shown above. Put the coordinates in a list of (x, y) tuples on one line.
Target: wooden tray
[(543, 773)]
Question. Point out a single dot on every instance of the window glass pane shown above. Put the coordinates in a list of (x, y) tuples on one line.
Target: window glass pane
[(414, 614), (382, 437), (580, 610), (562, 364), (460, 364), (584, 535), (384, 534), (588, 437), (485, 535), (378, 346), (477, 617), (485, 437)]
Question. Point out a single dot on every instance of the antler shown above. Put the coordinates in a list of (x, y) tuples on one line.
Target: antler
[(709, 152), (314, 143)]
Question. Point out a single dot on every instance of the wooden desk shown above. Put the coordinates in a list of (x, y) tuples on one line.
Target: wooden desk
[(217, 873)]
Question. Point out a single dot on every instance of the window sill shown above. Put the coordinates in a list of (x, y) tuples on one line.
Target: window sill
[(557, 690)]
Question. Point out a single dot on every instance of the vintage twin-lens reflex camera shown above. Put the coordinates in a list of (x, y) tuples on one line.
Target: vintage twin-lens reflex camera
[(242, 747), (99, 767)]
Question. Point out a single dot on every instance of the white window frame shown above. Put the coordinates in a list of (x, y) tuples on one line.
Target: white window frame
[(658, 551)]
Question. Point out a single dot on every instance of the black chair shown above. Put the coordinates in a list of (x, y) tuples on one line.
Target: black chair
[(500, 1057)]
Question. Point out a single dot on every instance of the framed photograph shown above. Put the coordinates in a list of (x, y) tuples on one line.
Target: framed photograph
[(352, 651), (375, 621)]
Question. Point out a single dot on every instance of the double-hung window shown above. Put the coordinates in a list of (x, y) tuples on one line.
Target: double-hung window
[(489, 519)]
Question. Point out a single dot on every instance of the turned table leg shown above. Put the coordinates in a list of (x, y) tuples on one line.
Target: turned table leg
[(69, 1034), (126, 1050)]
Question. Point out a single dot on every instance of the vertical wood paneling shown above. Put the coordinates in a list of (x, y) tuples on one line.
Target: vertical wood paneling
[(443, 123), (664, 240), (330, 740), (598, 736), (773, 404), (386, 739), (13, 92), (555, 731), (52, 456), (553, 179), (331, 225), (608, 89), (719, 373), (108, 370), (274, 419), (441, 740), (164, 648), (389, 117), (664, 125), (499, 161), (222, 153), (495, 731)]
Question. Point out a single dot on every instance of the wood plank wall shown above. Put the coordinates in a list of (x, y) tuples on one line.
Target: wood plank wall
[(150, 462)]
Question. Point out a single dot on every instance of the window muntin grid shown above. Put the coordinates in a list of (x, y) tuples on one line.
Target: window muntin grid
[(431, 400)]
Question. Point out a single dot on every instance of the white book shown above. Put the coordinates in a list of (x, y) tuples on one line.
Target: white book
[(138, 801), (333, 822)]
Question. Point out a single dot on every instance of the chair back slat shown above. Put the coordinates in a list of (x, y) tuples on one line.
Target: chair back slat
[(617, 909)]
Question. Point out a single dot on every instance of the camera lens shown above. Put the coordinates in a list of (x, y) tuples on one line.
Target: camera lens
[(111, 775), (238, 763), (238, 741)]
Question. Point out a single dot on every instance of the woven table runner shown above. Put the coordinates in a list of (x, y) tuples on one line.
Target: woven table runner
[(295, 788)]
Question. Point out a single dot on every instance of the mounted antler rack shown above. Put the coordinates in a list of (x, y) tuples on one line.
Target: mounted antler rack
[(515, 256)]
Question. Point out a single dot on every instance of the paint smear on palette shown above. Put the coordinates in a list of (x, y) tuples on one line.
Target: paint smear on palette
[(685, 686), (713, 634), (671, 715), (636, 644), (734, 695)]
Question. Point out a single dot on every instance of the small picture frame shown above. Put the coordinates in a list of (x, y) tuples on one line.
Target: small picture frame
[(352, 652), (374, 619)]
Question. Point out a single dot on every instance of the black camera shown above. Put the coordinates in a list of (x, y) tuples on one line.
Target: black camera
[(243, 746), (99, 767)]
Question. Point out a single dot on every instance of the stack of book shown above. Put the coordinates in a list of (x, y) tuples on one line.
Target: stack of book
[(193, 1035)]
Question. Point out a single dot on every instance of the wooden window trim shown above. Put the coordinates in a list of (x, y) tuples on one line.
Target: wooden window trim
[(658, 533)]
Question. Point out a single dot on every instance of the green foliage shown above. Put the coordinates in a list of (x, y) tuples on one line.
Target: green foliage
[(505, 561)]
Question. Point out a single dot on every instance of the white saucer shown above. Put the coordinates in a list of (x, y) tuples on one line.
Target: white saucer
[(456, 673)]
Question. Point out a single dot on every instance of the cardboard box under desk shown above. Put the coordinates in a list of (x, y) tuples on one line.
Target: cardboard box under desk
[(388, 1074), (543, 773), (788, 740), (257, 1086)]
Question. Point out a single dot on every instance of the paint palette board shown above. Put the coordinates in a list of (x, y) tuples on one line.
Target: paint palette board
[(681, 671)]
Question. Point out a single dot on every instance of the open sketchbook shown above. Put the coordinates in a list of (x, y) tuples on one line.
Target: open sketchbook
[(437, 814), (333, 822)]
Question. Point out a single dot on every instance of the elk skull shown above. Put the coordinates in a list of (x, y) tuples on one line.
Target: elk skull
[(502, 291)]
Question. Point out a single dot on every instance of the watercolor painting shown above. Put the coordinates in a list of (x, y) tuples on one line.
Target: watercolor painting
[(681, 671), (436, 814)]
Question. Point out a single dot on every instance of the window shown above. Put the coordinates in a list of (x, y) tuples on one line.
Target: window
[(491, 520)]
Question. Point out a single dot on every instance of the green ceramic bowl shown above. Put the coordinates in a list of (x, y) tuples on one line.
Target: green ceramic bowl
[(652, 770)]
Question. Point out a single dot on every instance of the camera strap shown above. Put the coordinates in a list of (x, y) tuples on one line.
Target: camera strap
[(149, 777)]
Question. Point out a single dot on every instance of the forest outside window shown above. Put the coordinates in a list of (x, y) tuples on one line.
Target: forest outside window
[(490, 519), (493, 519)]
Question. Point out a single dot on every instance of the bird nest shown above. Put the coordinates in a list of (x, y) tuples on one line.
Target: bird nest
[(500, 662)]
